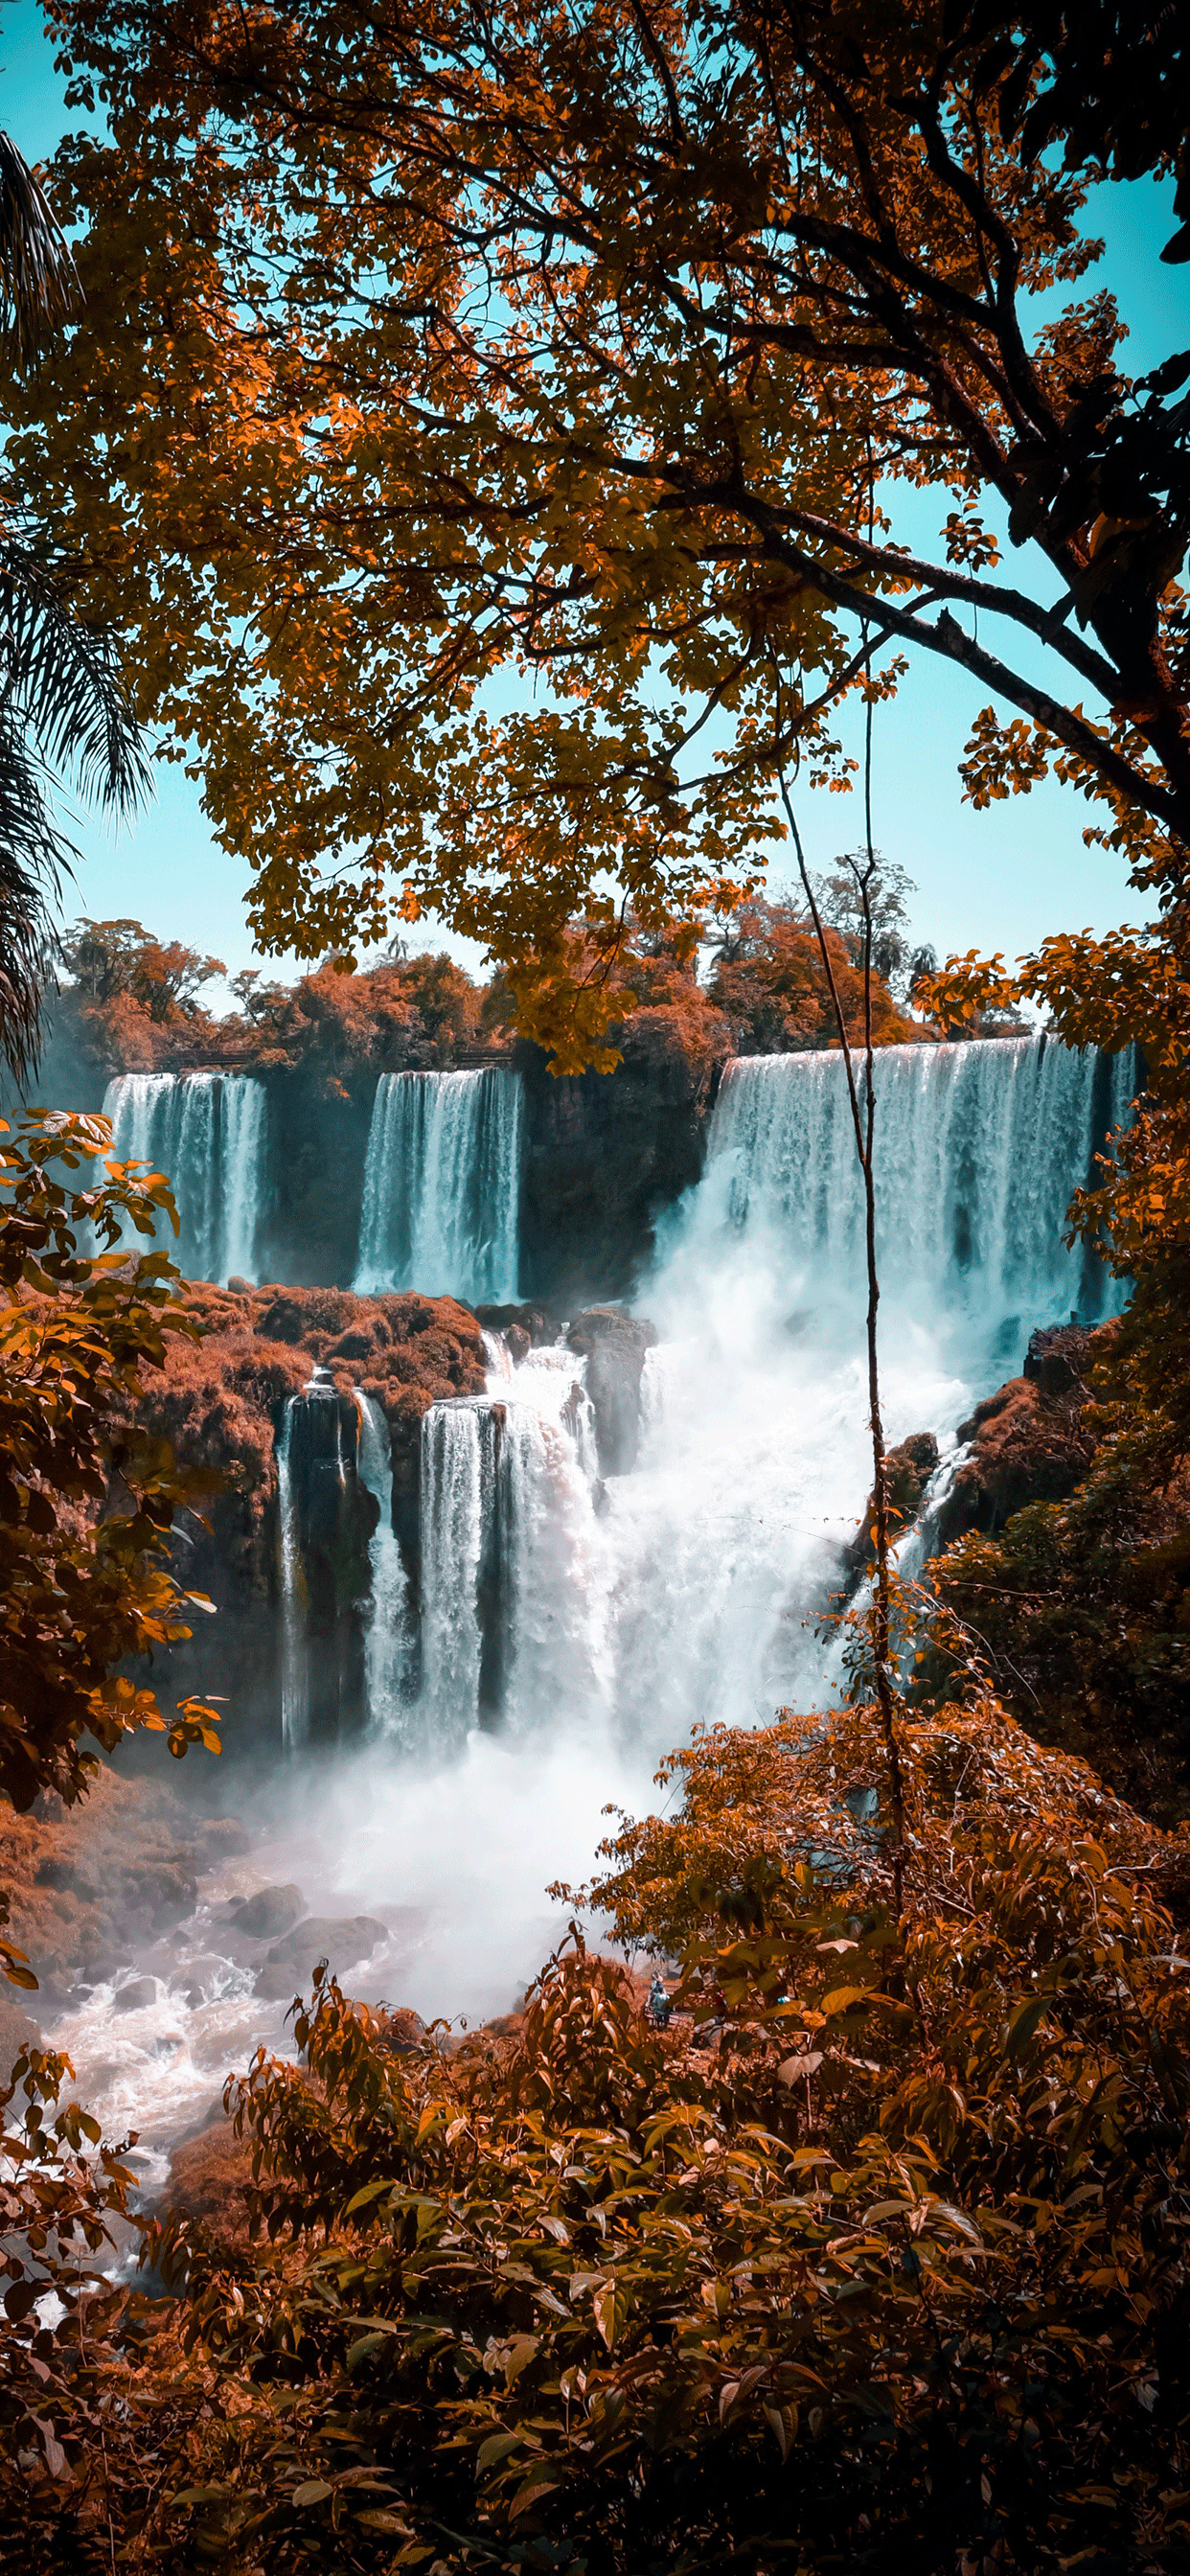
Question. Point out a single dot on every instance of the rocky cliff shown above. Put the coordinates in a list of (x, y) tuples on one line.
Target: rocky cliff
[(222, 1403)]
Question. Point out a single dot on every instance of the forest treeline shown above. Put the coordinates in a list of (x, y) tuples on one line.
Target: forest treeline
[(128, 1001)]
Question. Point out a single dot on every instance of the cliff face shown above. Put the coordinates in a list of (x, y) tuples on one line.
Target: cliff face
[(607, 1153), (221, 1403)]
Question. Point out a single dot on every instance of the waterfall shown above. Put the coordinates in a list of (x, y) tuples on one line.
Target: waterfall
[(689, 1589), (295, 1679), (206, 1132), (978, 1148), (451, 1543), (512, 1589), (387, 1643), (442, 1186)]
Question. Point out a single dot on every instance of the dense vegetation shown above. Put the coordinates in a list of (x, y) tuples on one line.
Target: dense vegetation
[(877, 2257), (136, 1003), (494, 478)]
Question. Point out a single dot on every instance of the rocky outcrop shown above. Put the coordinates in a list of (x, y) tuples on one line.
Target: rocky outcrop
[(908, 1469), (1060, 1357), (221, 1404), (90, 1886), (1029, 1441), (607, 1153), (325, 1553), (613, 1344)]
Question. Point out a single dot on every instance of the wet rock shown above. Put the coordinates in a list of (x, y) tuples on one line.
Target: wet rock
[(614, 1346), (133, 1997), (1060, 1357), (344, 1940), (270, 1911), (334, 1517), (223, 1838), (17, 2031), (1026, 1448), (531, 1325), (908, 1469), (69, 1877)]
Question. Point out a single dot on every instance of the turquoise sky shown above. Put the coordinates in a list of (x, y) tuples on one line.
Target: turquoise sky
[(996, 880)]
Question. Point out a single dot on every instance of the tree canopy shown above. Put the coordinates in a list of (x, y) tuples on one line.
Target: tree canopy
[(87, 1498), (487, 429)]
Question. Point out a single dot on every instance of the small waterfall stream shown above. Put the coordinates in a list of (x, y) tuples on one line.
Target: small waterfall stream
[(206, 1132), (442, 1186), (388, 1642), (295, 1682)]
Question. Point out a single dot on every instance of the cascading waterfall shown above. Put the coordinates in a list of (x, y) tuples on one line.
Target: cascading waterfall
[(295, 1679), (388, 1641), (688, 1589), (978, 1148), (573, 1627), (511, 1594), (451, 1543), (442, 1186), (206, 1132)]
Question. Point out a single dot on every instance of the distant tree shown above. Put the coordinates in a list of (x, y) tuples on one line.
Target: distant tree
[(263, 1004), (840, 903), (101, 956), (768, 979), (445, 996), (111, 957)]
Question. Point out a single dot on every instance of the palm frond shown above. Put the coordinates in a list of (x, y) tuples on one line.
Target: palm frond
[(34, 857), (60, 676), (38, 280)]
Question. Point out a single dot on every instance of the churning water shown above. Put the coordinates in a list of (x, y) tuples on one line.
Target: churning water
[(687, 1590)]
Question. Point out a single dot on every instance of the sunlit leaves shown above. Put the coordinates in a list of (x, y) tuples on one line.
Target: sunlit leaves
[(469, 417), (86, 1497)]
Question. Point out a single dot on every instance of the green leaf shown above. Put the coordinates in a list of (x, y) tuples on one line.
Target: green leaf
[(497, 2447), (611, 2309), (371, 2191), (1023, 2025), (363, 2348), (315, 2491), (531, 2493)]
